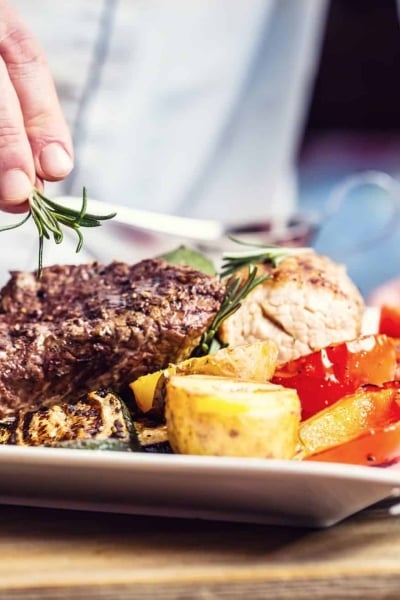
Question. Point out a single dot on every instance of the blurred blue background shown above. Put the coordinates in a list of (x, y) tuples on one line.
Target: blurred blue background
[(354, 125)]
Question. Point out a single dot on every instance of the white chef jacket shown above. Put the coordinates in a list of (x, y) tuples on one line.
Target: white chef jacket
[(191, 107)]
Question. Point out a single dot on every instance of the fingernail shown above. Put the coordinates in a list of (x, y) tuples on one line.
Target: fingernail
[(15, 185), (55, 161)]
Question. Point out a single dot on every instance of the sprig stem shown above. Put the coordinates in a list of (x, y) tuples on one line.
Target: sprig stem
[(236, 290), (235, 261)]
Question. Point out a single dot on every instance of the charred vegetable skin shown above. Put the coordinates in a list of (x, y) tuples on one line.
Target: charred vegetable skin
[(100, 421)]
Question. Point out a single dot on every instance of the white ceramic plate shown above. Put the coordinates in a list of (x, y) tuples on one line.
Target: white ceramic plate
[(253, 490), (265, 491)]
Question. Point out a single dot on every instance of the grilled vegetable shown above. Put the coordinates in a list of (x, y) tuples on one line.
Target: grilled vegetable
[(153, 437), (372, 440), (149, 393), (326, 375), (377, 447), (252, 362), (99, 421), (150, 433), (6, 429), (160, 448), (389, 320), (369, 408), (94, 444), (226, 417)]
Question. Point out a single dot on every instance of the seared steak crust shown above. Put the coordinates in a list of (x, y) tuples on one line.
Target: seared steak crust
[(81, 327)]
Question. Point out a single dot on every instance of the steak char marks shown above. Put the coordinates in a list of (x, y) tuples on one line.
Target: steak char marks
[(88, 326)]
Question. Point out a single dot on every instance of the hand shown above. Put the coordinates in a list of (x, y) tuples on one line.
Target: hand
[(35, 143), (387, 293)]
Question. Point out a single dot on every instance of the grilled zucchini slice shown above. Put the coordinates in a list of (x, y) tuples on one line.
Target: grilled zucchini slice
[(100, 421), (6, 429)]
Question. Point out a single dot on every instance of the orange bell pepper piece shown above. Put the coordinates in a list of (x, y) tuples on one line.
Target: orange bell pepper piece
[(377, 447), (369, 408)]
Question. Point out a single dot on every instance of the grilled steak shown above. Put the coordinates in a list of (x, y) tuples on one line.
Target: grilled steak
[(86, 326), (308, 302)]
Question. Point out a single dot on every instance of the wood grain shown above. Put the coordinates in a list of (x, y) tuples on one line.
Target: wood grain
[(64, 554)]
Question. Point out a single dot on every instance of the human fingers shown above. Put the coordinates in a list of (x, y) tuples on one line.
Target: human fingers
[(21, 207), (17, 169), (30, 76)]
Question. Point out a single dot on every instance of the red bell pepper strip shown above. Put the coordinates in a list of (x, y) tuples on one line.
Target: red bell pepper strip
[(324, 376), (389, 322)]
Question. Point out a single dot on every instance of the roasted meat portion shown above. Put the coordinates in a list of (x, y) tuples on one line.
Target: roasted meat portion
[(88, 326), (308, 302)]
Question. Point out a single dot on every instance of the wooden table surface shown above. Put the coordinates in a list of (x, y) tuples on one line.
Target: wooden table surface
[(72, 555)]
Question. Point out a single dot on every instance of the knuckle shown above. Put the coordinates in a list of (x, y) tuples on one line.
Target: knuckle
[(43, 130), (25, 54), (10, 134), (40, 133)]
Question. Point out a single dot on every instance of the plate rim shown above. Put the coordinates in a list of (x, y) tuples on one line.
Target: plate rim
[(42, 456)]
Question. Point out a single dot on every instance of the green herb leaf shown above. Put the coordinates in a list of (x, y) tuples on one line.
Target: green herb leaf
[(236, 291), (234, 261), (238, 287), (187, 256), (49, 218)]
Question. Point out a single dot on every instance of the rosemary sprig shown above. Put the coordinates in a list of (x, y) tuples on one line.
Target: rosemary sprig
[(240, 286), (50, 217), (237, 289), (235, 261)]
